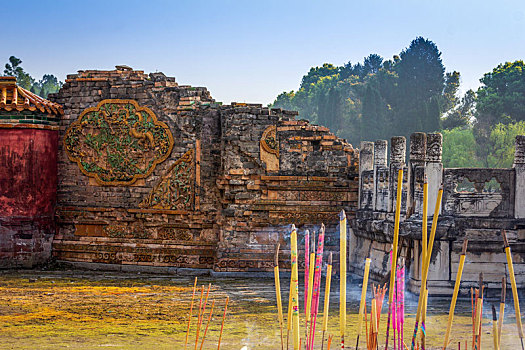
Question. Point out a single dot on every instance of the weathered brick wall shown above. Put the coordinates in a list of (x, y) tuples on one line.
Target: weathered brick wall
[(248, 171), (314, 178), (115, 223)]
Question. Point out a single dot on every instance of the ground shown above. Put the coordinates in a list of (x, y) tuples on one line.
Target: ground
[(90, 310)]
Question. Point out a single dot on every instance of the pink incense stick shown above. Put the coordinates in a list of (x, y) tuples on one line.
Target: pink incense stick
[(317, 287), (306, 266)]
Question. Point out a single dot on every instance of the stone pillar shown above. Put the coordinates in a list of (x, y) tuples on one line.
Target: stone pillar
[(434, 169), (366, 163), (398, 146), (416, 171), (519, 168), (380, 164)]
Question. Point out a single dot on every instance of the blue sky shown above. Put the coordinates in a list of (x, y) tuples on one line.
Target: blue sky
[(250, 51)]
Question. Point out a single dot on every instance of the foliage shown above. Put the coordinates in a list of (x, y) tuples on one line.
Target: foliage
[(377, 98), (48, 84), (502, 141), (459, 149)]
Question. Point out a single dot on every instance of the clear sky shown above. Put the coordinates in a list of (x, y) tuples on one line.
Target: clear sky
[(250, 51)]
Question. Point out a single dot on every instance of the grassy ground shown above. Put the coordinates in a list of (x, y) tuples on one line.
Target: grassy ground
[(51, 310)]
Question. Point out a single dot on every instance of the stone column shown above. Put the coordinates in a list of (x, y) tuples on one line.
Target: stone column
[(434, 169), (416, 171), (380, 164), (366, 162), (398, 146), (519, 168)]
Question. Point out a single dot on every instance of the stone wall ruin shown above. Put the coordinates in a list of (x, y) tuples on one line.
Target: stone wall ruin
[(153, 173)]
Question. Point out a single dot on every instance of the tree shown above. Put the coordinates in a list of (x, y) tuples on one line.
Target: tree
[(421, 85), (13, 68), (463, 114), (48, 84), (459, 148), (501, 98)]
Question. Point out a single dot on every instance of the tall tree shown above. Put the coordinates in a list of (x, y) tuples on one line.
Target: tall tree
[(14, 68)]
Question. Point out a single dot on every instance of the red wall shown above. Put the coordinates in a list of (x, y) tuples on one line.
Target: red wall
[(28, 182)]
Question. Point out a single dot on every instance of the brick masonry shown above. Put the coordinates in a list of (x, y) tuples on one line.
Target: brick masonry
[(175, 179)]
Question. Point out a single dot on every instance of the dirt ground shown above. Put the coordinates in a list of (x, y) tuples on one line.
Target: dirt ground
[(92, 310)]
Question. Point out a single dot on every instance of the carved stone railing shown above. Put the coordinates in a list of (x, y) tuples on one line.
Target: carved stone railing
[(479, 192)]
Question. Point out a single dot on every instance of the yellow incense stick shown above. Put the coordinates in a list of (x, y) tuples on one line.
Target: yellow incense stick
[(513, 284), (189, 314), (222, 324), (342, 281), (495, 328), (426, 263), (396, 235), (455, 294), (289, 319), (363, 297), (278, 292), (295, 289), (327, 297), (425, 222), (502, 307)]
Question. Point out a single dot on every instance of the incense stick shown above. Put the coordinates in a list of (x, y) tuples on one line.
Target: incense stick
[(455, 293), (362, 304), (207, 324), (513, 285), (309, 295), (502, 307), (394, 250), (199, 317), (278, 292), (495, 328), (189, 314), (295, 289), (426, 264), (342, 281), (327, 297), (222, 324), (317, 287), (306, 267)]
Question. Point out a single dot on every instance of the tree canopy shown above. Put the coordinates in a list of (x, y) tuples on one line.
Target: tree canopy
[(48, 84)]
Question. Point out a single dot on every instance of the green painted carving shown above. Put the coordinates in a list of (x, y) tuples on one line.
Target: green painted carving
[(175, 190), (118, 142)]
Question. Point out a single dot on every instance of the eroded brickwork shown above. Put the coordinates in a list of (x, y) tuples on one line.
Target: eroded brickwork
[(154, 173)]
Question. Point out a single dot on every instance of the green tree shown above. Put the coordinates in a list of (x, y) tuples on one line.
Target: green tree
[(48, 84), (13, 68), (463, 114), (502, 140), (420, 87), (501, 98), (459, 148)]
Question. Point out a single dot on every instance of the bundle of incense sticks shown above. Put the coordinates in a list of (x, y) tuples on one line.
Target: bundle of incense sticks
[(201, 311), (317, 289), (394, 249), (375, 316)]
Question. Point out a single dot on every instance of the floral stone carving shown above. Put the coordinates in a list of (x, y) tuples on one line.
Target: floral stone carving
[(175, 190), (118, 142), (269, 148)]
